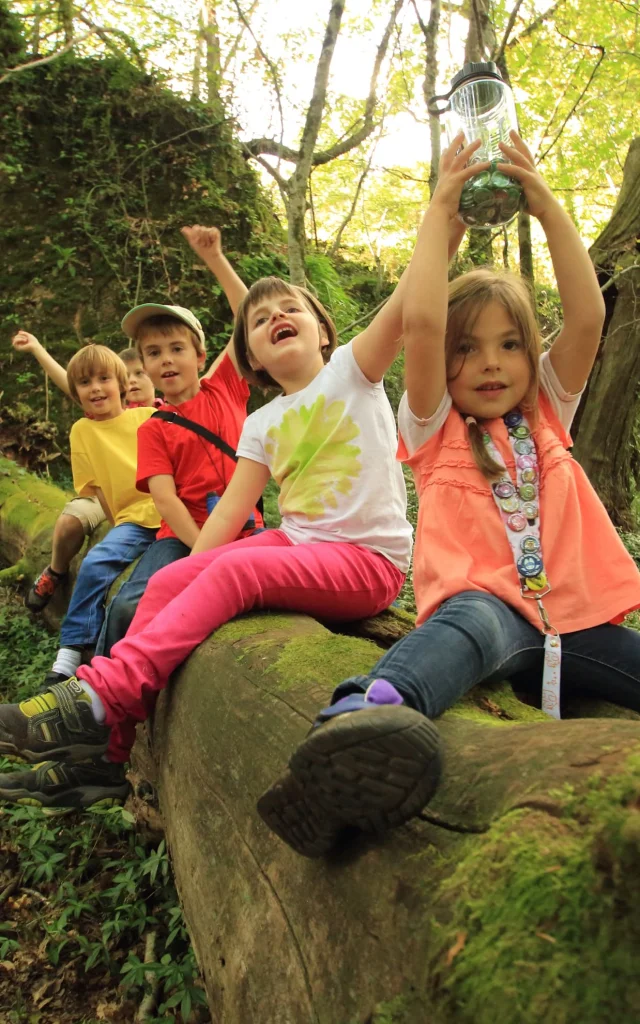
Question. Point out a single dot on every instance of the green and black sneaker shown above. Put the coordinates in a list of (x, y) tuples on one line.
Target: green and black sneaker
[(62, 784), (57, 724)]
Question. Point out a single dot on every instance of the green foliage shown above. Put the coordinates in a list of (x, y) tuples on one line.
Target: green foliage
[(90, 209), (103, 888), (26, 651)]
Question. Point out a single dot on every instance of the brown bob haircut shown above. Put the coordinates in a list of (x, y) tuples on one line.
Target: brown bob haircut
[(468, 296), (266, 288), (95, 359), (165, 325)]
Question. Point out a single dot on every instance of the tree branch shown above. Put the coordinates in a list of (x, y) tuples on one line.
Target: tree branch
[(48, 59), (272, 68), (536, 23), (336, 245), (104, 33), (273, 148), (589, 46), (507, 32)]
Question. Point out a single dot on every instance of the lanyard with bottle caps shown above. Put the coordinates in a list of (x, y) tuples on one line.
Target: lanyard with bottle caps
[(519, 507)]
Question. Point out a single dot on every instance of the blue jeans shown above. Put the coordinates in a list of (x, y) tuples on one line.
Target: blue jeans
[(100, 567), (121, 610), (473, 638)]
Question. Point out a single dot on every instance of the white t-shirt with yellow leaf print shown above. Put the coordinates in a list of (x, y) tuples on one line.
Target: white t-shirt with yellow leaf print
[(331, 449)]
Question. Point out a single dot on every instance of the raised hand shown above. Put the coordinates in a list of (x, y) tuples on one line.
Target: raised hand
[(453, 171), (25, 342), (540, 198), (206, 242)]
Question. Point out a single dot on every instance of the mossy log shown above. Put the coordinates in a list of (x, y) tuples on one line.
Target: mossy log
[(29, 507), (515, 897)]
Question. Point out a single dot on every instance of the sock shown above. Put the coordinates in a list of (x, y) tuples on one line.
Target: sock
[(97, 706), (54, 572), (67, 661)]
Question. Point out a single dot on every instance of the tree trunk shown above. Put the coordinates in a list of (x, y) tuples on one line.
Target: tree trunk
[(196, 74), (297, 184), (518, 864), (605, 444), (430, 33), (480, 42), (212, 54), (514, 897), (65, 13)]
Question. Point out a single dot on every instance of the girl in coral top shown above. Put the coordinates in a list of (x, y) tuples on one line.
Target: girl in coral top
[(518, 570)]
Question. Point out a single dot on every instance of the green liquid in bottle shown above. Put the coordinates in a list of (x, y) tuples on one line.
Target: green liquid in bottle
[(490, 199)]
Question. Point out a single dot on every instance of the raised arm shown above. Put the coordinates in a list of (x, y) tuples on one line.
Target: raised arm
[(25, 342), (172, 509), (235, 506), (207, 244), (424, 310), (583, 310), (379, 344)]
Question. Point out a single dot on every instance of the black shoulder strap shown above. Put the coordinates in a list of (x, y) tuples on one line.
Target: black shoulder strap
[(197, 428), (208, 435)]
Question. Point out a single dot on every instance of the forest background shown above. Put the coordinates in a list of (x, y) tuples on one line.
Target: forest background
[(302, 131)]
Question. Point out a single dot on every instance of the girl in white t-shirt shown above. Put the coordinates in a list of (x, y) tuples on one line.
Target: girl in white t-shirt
[(341, 553)]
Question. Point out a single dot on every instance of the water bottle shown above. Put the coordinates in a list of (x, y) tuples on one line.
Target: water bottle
[(480, 104)]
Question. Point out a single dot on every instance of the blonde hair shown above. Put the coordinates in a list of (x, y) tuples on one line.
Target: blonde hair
[(164, 324), (468, 296), (265, 288), (95, 359)]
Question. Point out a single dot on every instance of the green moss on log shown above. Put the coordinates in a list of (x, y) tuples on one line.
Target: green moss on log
[(561, 943)]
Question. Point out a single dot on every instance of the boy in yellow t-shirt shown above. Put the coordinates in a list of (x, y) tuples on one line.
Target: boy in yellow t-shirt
[(104, 463)]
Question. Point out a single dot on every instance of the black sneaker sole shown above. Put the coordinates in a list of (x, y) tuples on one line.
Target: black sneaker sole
[(68, 752), (303, 826), (374, 769), (78, 798)]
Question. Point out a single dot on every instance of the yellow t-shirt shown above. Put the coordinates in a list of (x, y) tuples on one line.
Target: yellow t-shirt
[(104, 454)]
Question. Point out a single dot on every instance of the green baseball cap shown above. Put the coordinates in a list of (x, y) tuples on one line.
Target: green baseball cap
[(139, 314)]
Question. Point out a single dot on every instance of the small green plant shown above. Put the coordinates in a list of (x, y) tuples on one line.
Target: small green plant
[(87, 889)]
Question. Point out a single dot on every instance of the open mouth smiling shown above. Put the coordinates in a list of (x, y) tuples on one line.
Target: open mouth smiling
[(282, 332)]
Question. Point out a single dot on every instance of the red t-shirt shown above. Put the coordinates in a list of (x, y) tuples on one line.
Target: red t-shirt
[(196, 465)]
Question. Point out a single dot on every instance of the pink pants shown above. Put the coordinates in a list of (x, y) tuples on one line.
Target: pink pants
[(189, 599)]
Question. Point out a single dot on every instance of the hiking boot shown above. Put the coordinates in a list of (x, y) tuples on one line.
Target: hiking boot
[(43, 589), (58, 724), (60, 784), (49, 680), (368, 761)]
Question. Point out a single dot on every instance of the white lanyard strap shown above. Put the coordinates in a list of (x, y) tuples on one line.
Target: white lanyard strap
[(519, 508)]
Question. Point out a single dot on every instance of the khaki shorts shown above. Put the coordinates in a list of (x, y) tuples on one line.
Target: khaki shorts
[(88, 511)]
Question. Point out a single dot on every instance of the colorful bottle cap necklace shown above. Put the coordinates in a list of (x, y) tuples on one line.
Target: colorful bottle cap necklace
[(519, 508)]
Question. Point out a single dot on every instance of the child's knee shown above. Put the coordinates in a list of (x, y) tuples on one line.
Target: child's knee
[(69, 527)]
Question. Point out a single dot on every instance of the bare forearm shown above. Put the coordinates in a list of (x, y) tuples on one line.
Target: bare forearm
[(52, 368), (425, 298), (234, 289), (219, 529), (178, 518)]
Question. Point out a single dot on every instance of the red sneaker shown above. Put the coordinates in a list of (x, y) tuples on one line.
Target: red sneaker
[(43, 589)]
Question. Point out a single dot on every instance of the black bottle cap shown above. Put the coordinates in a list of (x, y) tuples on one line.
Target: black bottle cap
[(476, 70)]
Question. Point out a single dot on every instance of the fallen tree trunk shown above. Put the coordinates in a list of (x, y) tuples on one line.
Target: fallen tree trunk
[(514, 898)]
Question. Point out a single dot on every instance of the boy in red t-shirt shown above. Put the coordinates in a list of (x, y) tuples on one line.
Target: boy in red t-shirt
[(180, 469)]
